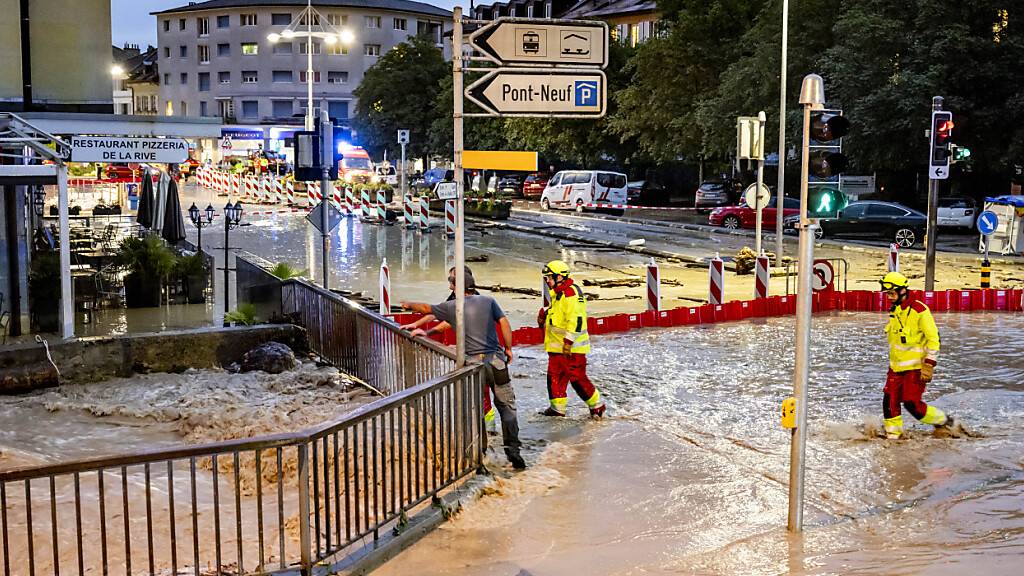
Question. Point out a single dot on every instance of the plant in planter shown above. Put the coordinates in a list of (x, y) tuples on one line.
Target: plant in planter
[(149, 262), (193, 272), (244, 315), (44, 291), (285, 271)]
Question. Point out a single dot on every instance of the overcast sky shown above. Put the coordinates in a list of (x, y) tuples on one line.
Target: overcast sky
[(132, 23)]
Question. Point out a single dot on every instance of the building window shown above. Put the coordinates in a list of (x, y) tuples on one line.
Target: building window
[(169, 108), (181, 24), (371, 21), (184, 108), (336, 109), (283, 48), (167, 79), (280, 19), (152, 103), (282, 108), (247, 19), (250, 48), (167, 25), (338, 49), (282, 76), (167, 51), (250, 108), (139, 106), (304, 21), (371, 49), (204, 53), (184, 77), (250, 77), (302, 76), (224, 77), (202, 109), (227, 108), (529, 11), (223, 21), (204, 82), (183, 51), (431, 30), (400, 24), (223, 49), (547, 9), (337, 19), (203, 26), (304, 48), (337, 77)]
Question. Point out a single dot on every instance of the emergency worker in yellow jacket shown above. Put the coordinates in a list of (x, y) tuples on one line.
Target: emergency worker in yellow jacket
[(567, 342), (913, 352)]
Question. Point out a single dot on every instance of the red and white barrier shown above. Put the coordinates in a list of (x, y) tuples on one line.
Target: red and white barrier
[(894, 258), (385, 288), (407, 212), (364, 203), (290, 190), (350, 201), (424, 214), (382, 208), (634, 207), (653, 286), (336, 197), (449, 217), (761, 276), (716, 280)]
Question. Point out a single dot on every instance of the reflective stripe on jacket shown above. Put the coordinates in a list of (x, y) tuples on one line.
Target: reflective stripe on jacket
[(566, 320), (913, 337)]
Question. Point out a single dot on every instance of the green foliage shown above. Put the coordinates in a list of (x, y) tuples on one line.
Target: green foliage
[(148, 257), (399, 92), (245, 314), (44, 277), (285, 271), (190, 265)]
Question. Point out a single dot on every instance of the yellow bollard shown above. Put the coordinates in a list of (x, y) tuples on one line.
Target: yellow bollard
[(789, 413), (986, 273)]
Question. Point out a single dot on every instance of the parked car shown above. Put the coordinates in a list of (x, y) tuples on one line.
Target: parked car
[(872, 219), (712, 193), (534, 185), (120, 171), (431, 178), (957, 213), (385, 174), (510, 185), (573, 189), (647, 193), (743, 216)]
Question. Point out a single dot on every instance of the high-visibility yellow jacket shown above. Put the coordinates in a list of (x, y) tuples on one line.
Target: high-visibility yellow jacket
[(913, 337), (566, 320)]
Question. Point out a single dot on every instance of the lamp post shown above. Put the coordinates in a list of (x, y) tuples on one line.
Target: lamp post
[(199, 221), (232, 218), (309, 31)]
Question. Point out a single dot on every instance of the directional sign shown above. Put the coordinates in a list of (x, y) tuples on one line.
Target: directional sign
[(446, 190), (315, 218), (114, 149), (543, 41), (822, 275), (940, 172), (535, 93), (988, 222)]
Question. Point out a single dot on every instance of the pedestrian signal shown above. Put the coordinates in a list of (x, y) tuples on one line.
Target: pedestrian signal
[(960, 153), (825, 202)]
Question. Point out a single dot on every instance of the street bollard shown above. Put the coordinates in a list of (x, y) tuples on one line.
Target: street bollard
[(761, 276), (385, 288), (653, 286), (449, 217), (715, 276), (350, 201), (407, 211), (424, 214), (382, 206), (894, 258), (364, 201), (986, 273)]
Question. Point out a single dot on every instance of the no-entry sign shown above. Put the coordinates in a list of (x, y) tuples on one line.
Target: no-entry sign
[(113, 149)]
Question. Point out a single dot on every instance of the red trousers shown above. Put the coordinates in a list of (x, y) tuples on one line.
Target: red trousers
[(903, 388), (564, 369)]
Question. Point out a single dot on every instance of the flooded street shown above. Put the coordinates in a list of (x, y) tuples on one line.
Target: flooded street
[(690, 474)]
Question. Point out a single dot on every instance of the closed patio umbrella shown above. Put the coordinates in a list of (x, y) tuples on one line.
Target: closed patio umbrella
[(174, 223), (145, 214)]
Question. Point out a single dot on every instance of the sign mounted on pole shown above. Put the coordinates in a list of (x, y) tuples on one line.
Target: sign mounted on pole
[(536, 41), (115, 149), (552, 93)]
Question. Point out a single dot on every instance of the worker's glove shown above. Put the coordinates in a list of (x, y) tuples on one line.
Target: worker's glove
[(542, 317), (927, 372), (566, 348)]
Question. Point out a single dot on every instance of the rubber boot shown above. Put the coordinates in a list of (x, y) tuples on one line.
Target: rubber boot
[(597, 412), (515, 458), (551, 412)]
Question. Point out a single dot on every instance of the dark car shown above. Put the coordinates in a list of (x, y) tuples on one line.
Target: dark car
[(510, 185), (431, 178), (535, 184), (713, 193), (887, 221)]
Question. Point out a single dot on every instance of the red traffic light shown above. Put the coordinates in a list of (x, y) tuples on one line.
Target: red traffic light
[(943, 130), (826, 126)]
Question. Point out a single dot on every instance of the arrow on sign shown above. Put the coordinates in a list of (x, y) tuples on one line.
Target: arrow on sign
[(940, 173), (545, 93), (542, 41)]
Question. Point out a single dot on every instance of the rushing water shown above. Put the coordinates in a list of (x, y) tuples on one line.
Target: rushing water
[(690, 474)]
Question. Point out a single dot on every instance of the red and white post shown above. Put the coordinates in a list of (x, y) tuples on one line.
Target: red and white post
[(364, 200), (407, 211), (385, 288), (761, 276), (350, 201), (382, 206), (715, 276), (653, 286), (449, 218), (424, 214), (894, 257)]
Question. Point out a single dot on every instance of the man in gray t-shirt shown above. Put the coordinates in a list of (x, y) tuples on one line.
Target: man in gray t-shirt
[(483, 316)]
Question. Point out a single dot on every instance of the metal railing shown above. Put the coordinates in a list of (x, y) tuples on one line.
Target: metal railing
[(293, 500)]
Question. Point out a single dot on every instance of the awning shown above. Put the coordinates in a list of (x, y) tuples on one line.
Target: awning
[(122, 125)]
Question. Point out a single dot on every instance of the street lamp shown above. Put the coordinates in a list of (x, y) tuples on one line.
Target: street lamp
[(321, 29), (232, 218), (199, 221)]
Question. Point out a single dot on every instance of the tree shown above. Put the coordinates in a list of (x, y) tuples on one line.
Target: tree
[(398, 92)]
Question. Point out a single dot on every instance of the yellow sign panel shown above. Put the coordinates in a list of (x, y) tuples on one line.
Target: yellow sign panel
[(494, 160)]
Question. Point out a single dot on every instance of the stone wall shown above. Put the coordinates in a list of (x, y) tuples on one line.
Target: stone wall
[(25, 367)]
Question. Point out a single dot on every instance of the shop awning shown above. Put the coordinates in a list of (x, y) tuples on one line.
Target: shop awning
[(118, 125)]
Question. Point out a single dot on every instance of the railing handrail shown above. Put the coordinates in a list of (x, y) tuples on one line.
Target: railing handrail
[(359, 310), (240, 445)]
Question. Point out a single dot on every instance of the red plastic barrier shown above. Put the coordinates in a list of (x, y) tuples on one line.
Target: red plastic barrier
[(879, 303), (988, 299), (634, 321), (1016, 300), (759, 308), (941, 301), (965, 301), (977, 300), (1000, 299), (929, 299), (731, 311), (788, 304), (649, 319), (687, 316), (746, 309), (665, 318), (618, 323), (597, 325)]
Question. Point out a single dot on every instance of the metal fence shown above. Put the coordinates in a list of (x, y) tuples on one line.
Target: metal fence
[(276, 504)]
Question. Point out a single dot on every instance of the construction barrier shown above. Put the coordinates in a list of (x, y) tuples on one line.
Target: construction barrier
[(653, 286), (716, 280)]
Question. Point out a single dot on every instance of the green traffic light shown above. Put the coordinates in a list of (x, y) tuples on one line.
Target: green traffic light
[(961, 154), (825, 203)]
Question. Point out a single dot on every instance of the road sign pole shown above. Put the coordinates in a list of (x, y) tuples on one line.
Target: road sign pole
[(781, 192), (931, 236), (460, 254), (404, 191), (760, 182), (326, 158)]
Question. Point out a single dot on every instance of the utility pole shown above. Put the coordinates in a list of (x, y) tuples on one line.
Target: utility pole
[(326, 189), (460, 253), (780, 194), (938, 169)]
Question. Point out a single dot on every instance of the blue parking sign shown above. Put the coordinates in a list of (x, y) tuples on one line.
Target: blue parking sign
[(988, 222), (586, 93)]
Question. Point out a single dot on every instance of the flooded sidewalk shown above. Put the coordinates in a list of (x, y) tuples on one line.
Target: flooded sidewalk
[(689, 475)]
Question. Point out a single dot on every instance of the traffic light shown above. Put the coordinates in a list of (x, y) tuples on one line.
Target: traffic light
[(826, 160), (960, 153), (942, 133), (824, 202), (828, 126)]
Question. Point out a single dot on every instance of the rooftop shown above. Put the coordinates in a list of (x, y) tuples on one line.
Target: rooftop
[(395, 5)]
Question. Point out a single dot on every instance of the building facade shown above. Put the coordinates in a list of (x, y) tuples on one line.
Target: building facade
[(216, 59)]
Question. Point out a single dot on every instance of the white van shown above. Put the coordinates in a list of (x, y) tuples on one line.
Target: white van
[(386, 174), (573, 189)]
